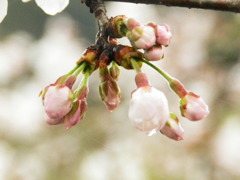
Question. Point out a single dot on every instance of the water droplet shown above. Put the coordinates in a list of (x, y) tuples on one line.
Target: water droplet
[(152, 132)]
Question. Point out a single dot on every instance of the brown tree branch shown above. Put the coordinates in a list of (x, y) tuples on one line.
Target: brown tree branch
[(221, 5)]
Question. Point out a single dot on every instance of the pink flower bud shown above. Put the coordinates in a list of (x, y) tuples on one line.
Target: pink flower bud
[(66, 80), (148, 109), (193, 107), (173, 129), (142, 37), (78, 110), (53, 121), (76, 114), (110, 94), (57, 101), (114, 71), (163, 34), (108, 89), (132, 23), (154, 53), (152, 24)]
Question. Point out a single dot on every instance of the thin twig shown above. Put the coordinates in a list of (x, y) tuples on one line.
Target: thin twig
[(221, 5), (98, 8)]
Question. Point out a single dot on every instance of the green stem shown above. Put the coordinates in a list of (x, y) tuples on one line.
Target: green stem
[(174, 84), (73, 70), (165, 75), (76, 70), (79, 68), (135, 65), (85, 78), (84, 83)]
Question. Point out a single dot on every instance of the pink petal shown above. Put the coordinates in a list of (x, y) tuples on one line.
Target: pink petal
[(57, 101), (173, 128), (155, 53), (195, 108)]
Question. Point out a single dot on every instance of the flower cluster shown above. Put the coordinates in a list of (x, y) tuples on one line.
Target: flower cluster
[(149, 111), (151, 37), (61, 103)]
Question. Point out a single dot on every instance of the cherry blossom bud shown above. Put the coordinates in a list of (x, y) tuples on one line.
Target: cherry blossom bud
[(78, 110), (154, 53), (114, 71), (132, 23), (142, 37), (110, 94), (57, 101), (148, 109), (124, 54), (53, 121), (172, 128), (193, 107), (76, 114), (163, 34), (117, 26), (109, 90), (70, 81)]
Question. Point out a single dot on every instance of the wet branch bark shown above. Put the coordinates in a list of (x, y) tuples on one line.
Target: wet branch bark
[(221, 5)]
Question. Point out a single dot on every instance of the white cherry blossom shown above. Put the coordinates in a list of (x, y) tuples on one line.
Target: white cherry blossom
[(3, 9), (52, 7), (148, 109)]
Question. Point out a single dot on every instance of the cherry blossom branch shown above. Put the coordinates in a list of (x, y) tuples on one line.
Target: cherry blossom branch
[(98, 8), (221, 5)]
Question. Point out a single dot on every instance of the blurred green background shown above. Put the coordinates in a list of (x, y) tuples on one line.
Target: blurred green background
[(35, 49)]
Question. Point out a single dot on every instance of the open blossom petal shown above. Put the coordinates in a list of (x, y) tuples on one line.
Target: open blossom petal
[(52, 7), (148, 109), (3, 9)]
